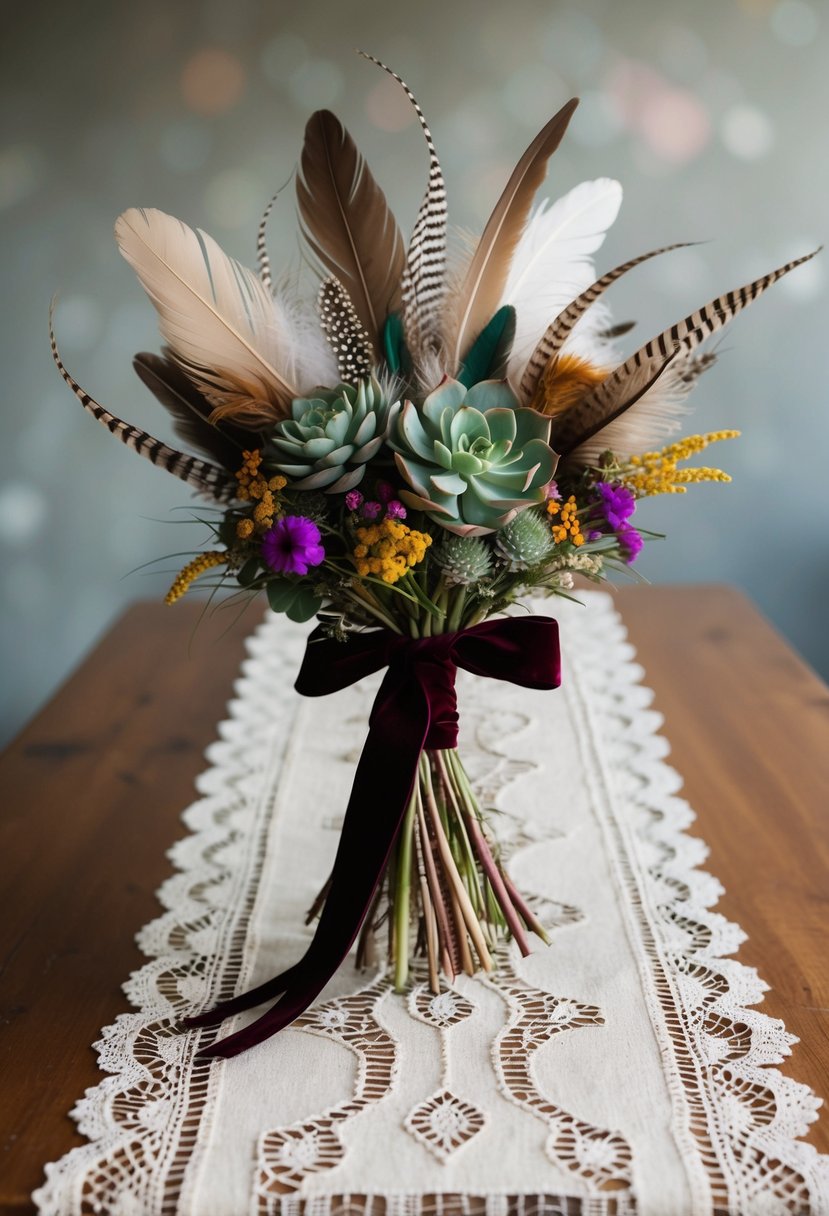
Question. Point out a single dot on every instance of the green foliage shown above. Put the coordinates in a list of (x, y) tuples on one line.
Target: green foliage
[(297, 600), (487, 357)]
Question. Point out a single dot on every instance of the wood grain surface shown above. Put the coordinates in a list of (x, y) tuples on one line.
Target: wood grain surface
[(93, 789)]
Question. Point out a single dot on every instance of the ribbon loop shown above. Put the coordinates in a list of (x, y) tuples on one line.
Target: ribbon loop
[(415, 708)]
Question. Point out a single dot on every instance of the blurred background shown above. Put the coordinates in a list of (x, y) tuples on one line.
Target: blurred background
[(711, 115)]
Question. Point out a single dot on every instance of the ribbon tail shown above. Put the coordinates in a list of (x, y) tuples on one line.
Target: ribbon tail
[(246, 1000), (382, 787)]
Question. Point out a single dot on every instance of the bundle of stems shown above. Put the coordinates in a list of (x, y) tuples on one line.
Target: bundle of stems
[(446, 894)]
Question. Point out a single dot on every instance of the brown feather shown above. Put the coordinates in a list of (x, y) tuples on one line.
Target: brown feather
[(347, 221), (190, 410), (488, 270)]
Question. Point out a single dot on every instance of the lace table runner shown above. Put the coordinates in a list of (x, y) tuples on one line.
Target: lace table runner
[(621, 1070)]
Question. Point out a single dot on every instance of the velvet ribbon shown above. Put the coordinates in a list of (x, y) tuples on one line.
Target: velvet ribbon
[(415, 708)]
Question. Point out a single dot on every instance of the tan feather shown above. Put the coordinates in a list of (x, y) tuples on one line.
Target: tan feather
[(488, 270), (347, 222), (219, 321)]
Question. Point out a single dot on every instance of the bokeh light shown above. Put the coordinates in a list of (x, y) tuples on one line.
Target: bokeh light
[(747, 132), (212, 81)]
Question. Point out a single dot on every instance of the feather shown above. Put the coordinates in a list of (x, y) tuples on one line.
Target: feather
[(262, 259), (217, 318), (657, 403), (208, 479), (552, 261), (559, 330), (347, 221), (190, 411), (484, 283), (424, 279), (341, 325), (487, 357)]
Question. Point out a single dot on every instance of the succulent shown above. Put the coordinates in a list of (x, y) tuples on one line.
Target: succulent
[(464, 560), (525, 541), (472, 459), (326, 442)]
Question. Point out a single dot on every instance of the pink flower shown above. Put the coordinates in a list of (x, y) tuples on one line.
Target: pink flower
[(353, 500), (395, 510)]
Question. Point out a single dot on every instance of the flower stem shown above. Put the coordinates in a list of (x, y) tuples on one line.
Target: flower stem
[(402, 911)]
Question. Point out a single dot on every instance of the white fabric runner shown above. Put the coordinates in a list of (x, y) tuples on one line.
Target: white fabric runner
[(619, 1071)]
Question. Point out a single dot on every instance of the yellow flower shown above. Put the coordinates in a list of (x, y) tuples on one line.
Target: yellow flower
[(264, 491), (388, 549), (187, 576), (657, 472), (568, 526)]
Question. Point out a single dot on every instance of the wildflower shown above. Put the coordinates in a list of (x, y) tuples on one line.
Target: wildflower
[(256, 487), (187, 576), (371, 510), (615, 502), (395, 509), (353, 500), (292, 545), (630, 542), (388, 549), (657, 472), (568, 526)]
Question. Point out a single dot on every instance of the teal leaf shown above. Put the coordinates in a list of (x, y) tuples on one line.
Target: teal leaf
[(394, 346), (487, 357)]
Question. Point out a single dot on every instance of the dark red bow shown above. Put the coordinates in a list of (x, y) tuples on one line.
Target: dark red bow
[(414, 709)]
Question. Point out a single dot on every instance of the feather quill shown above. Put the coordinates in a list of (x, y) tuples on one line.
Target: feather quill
[(424, 278), (347, 222), (616, 395), (552, 260), (559, 330), (190, 411), (216, 316), (207, 478), (483, 285)]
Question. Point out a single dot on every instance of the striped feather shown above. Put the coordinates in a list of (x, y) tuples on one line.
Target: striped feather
[(341, 326), (262, 259), (205, 477), (424, 279), (620, 390), (561, 328)]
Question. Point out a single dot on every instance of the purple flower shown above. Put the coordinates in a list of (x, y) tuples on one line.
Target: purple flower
[(593, 534), (395, 510), (384, 491), (371, 510), (616, 503), (292, 545), (554, 492), (630, 542), (353, 500)]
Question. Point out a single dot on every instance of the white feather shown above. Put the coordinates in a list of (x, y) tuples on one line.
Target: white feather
[(552, 262), (218, 319)]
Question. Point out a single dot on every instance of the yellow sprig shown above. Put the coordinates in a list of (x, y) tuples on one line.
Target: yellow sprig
[(186, 577), (657, 472)]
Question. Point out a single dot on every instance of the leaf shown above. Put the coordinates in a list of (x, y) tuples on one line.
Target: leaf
[(297, 600), (488, 355)]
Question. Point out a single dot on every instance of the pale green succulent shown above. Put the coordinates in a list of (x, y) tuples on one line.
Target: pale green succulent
[(464, 560), (525, 541), (472, 458), (328, 439)]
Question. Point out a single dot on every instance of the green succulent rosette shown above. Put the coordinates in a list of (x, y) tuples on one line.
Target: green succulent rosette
[(472, 458), (328, 439)]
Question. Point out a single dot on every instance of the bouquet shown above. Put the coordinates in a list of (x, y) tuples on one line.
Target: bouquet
[(404, 457)]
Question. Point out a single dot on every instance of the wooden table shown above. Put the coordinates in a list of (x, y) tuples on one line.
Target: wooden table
[(93, 788)]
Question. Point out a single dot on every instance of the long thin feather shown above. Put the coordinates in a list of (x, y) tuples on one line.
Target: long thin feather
[(424, 279), (488, 270), (552, 262), (560, 329), (207, 478), (190, 411), (347, 221), (262, 259), (614, 396), (217, 318)]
